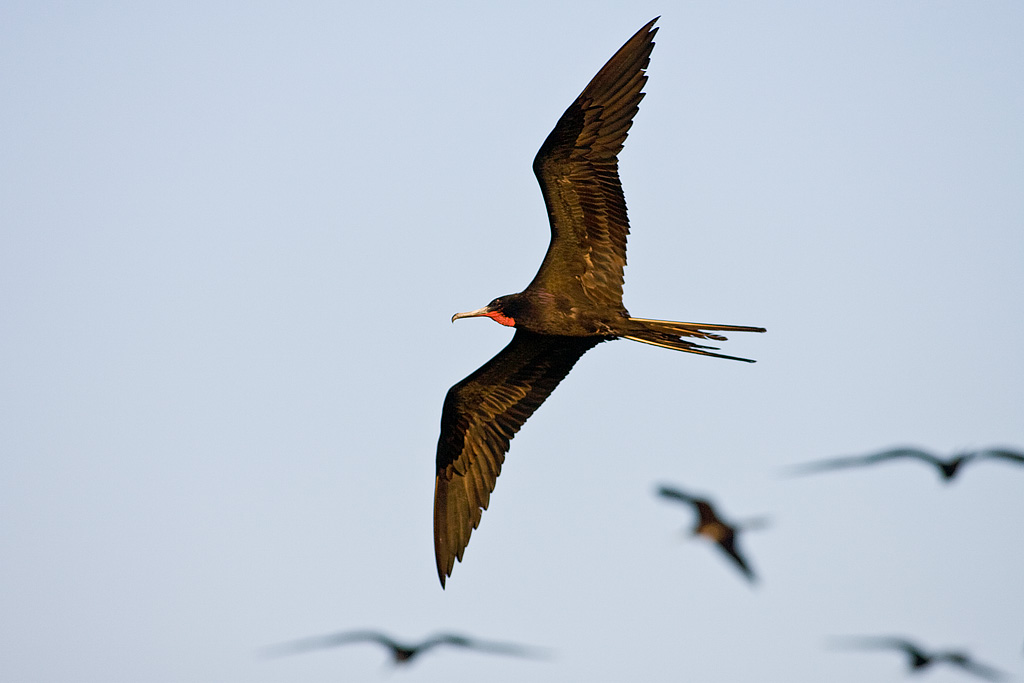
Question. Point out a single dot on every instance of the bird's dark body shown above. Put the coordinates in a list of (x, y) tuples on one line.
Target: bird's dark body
[(711, 526), (573, 303), (543, 312)]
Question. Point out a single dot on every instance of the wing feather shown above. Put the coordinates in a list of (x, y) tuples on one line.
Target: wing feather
[(671, 492), (480, 416), (328, 641), (705, 511), (860, 460), (729, 547), (1003, 453), (578, 171)]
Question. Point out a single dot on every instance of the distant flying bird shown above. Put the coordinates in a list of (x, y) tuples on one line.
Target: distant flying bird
[(402, 653), (919, 659), (711, 526), (573, 303), (947, 468)]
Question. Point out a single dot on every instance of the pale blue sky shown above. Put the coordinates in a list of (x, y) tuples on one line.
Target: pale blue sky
[(231, 240)]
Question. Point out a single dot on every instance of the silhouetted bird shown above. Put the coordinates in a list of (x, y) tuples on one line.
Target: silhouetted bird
[(711, 526), (402, 653), (919, 659), (573, 303), (947, 468)]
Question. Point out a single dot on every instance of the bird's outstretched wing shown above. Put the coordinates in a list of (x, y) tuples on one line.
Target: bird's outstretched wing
[(676, 494), (480, 416), (489, 646), (861, 460), (967, 664), (728, 546), (1002, 454), (705, 511), (894, 453), (578, 170), (881, 643), (328, 641)]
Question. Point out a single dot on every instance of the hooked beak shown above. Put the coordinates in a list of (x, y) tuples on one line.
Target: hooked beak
[(472, 314)]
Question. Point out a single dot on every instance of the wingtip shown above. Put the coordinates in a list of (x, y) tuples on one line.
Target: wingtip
[(444, 570), (666, 491), (442, 575), (645, 34)]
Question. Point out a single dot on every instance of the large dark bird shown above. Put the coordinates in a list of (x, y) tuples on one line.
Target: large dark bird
[(947, 468), (573, 303), (919, 659), (711, 526), (402, 653)]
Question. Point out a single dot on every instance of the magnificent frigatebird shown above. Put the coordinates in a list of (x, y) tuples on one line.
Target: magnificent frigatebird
[(402, 653), (947, 468), (919, 659), (711, 526), (573, 303)]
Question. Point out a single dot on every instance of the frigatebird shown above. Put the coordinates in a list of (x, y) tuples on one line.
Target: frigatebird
[(919, 659), (711, 526), (573, 303), (947, 468), (401, 653)]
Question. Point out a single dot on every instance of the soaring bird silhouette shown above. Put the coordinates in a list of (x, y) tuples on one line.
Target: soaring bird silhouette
[(919, 659), (711, 526), (573, 303), (947, 468), (402, 653)]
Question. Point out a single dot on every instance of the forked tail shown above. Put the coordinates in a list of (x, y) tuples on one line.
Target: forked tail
[(668, 334)]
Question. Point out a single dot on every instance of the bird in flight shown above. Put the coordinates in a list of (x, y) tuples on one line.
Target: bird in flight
[(947, 468), (919, 659), (573, 303), (401, 653), (711, 526)]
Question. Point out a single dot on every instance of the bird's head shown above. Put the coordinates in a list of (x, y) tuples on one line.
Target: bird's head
[(502, 310)]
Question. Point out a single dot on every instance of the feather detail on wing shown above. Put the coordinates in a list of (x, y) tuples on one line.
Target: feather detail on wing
[(480, 416), (578, 170)]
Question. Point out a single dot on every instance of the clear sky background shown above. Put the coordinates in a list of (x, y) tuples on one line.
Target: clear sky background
[(231, 239)]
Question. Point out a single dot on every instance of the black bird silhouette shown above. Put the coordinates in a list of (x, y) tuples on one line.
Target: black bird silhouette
[(919, 659), (947, 468), (402, 653), (573, 303), (711, 526)]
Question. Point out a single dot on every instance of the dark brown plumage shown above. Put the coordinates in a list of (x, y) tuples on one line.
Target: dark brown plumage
[(711, 526), (919, 659), (573, 303), (947, 468), (401, 653)]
